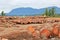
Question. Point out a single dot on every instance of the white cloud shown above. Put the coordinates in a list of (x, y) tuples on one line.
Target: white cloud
[(8, 5)]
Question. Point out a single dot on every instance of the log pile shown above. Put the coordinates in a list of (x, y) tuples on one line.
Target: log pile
[(11, 29), (32, 33), (28, 20)]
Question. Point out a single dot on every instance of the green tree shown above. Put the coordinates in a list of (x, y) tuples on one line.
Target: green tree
[(2, 13), (46, 13), (53, 11), (50, 12)]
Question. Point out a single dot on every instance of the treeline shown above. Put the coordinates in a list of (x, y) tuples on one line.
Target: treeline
[(50, 13)]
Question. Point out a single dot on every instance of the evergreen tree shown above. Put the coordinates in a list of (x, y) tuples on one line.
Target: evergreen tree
[(46, 12), (53, 11), (50, 12), (2, 13)]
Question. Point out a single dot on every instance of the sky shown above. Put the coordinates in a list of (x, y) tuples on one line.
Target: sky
[(8, 5)]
